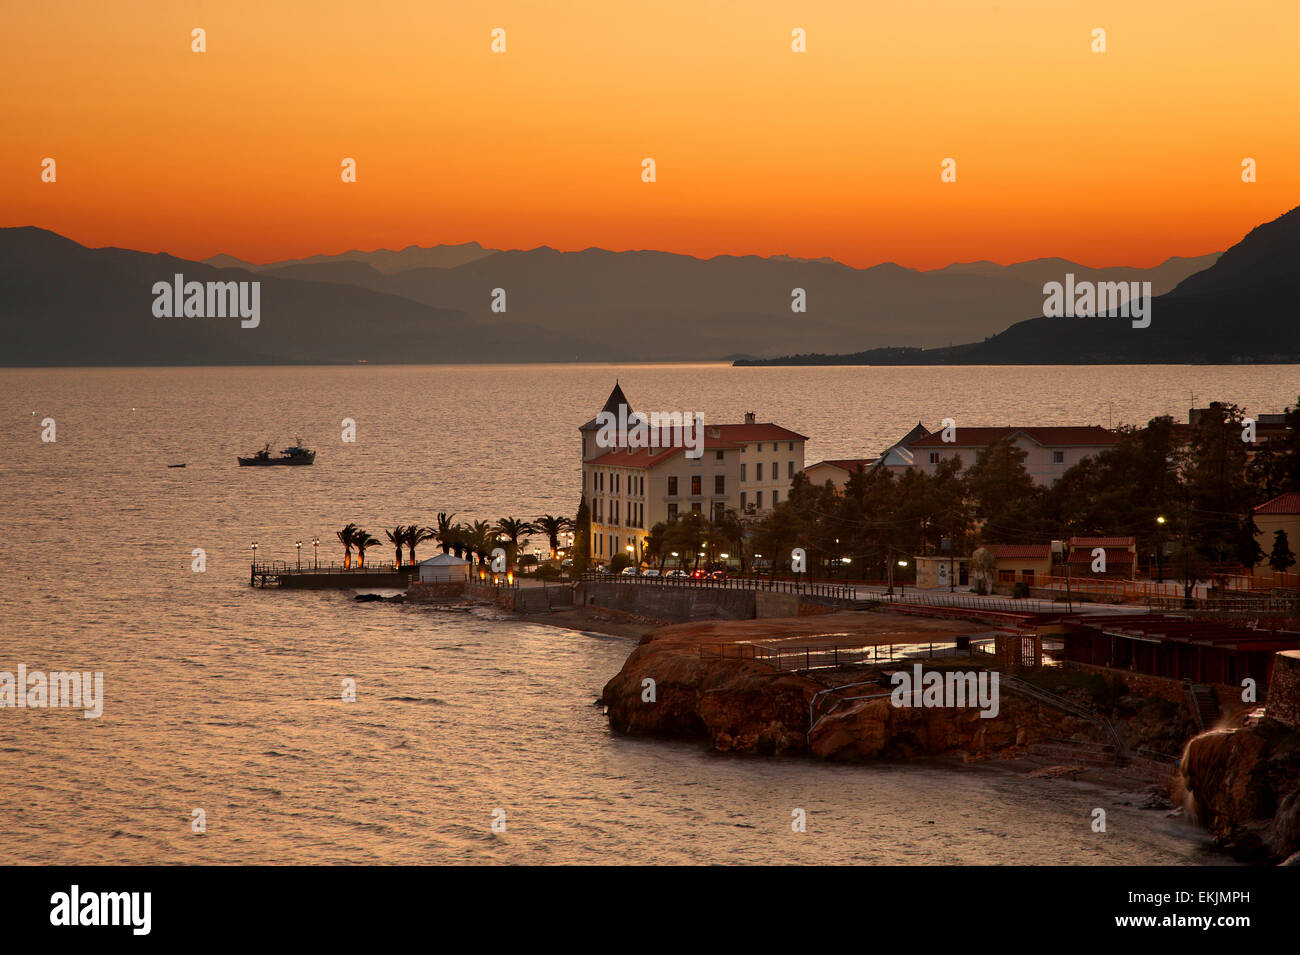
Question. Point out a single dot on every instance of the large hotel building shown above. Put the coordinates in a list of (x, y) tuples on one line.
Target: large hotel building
[(745, 467)]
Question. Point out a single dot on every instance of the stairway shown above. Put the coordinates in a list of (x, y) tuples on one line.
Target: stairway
[(1203, 704)]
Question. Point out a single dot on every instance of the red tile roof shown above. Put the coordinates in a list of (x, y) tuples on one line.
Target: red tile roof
[(845, 464), (652, 457), (1114, 555), (1068, 436), (1288, 503), (756, 432), (1026, 551), (1102, 541)]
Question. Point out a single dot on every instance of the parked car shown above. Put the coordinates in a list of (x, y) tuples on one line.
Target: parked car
[(652, 572), (631, 572), (719, 575), (677, 573), (698, 575)]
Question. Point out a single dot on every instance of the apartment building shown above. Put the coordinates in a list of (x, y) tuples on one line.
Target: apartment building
[(746, 467)]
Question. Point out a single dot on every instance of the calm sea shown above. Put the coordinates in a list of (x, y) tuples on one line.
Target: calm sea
[(227, 699)]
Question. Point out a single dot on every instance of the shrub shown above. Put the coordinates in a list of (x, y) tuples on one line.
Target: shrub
[(618, 562)]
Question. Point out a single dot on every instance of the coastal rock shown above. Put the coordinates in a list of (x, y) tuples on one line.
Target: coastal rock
[(1244, 786)]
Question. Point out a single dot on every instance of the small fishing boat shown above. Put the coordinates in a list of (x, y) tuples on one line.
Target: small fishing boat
[(294, 455)]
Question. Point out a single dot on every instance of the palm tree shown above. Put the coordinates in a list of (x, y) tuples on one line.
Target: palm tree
[(480, 538), (347, 537), (445, 532), (552, 527), (397, 537), (457, 539), (361, 540), (415, 536), (513, 529)]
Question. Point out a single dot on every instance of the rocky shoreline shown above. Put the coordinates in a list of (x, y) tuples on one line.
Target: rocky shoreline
[(1241, 784)]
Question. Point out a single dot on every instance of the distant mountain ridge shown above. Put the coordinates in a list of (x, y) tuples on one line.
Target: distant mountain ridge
[(663, 306), (62, 303), (1240, 309)]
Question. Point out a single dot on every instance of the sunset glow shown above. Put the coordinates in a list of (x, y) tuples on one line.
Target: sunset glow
[(1122, 157)]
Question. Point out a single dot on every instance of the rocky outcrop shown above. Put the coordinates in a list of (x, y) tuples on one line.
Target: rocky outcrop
[(748, 707), (1244, 786)]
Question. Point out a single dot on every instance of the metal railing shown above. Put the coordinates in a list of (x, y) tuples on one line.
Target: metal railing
[(286, 568), (832, 656), (835, 591)]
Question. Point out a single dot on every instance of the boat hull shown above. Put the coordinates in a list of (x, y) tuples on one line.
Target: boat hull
[(276, 462)]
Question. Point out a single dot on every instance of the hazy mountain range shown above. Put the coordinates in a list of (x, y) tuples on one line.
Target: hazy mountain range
[(1240, 309), (62, 303)]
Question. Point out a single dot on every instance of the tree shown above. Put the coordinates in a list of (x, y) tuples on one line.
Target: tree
[(619, 561), (513, 528), (983, 570), (445, 533), (1006, 498), (581, 554), (653, 549), (397, 537), (552, 527), (415, 536), (1220, 497), (1281, 558), (362, 540), (347, 537)]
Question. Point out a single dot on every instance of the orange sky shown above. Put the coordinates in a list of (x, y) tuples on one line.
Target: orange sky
[(1125, 157)]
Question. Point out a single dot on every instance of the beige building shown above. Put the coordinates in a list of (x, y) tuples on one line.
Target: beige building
[(1280, 514), (1049, 452), (836, 471), (745, 467)]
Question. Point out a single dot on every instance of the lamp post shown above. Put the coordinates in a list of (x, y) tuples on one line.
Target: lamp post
[(315, 546), (299, 546), (903, 583), (1160, 546), (254, 553)]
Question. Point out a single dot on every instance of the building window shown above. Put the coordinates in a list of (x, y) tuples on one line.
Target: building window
[(776, 472), (1006, 576), (719, 484), (760, 447), (743, 502), (695, 485), (776, 498), (717, 455), (791, 445), (695, 508), (1029, 577), (758, 498), (1058, 457), (742, 470), (672, 513), (789, 469), (934, 457), (758, 471), (672, 485)]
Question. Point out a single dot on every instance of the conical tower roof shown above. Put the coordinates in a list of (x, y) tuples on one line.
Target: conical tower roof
[(616, 398)]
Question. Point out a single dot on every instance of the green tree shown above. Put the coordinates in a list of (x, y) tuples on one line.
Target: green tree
[(513, 528), (397, 537), (362, 540), (1281, 559), (653, 549), (581, 553), (1006, 498), (1220, 496), (552, 527)]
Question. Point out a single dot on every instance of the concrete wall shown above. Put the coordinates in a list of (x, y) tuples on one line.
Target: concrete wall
[(673, 603), (1283, 702), (767, 604)]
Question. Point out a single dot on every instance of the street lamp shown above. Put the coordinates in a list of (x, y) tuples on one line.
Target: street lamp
[(299, 546), (1160, 546), (315, 546), (254, 553), (903, 583)]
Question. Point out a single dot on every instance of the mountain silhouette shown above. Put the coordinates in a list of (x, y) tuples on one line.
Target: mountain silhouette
[(1240, 309), (62, 303)]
